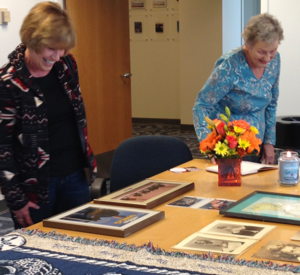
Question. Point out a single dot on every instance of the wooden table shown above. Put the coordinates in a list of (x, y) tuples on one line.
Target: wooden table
[(179, 223)]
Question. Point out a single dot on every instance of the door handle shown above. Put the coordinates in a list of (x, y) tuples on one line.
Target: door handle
[(127, 75)]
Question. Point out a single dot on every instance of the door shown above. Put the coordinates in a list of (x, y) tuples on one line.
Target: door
[(103, 56)]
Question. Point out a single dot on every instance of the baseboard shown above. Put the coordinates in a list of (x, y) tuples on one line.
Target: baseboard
[(187, 127), (156, 121)]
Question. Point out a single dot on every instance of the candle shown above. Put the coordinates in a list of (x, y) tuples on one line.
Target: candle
[(288, 168)]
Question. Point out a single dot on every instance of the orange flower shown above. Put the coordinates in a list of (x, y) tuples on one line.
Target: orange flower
[(210, 142), (255, 142), (242, 124)]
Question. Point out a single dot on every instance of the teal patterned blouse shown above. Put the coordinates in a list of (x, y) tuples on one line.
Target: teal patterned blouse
[(233, 84)]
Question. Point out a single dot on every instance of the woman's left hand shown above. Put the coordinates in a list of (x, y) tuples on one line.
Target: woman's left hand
[(268, 154)]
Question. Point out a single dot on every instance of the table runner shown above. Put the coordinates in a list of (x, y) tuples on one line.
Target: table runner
[(37, 252)]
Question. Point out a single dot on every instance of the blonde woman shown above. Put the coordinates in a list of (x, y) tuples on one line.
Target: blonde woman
[(43, 133)]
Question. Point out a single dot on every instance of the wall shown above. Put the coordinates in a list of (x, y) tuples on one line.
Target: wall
[(200, 47), (168, 71), (287, 12), (155, 62)]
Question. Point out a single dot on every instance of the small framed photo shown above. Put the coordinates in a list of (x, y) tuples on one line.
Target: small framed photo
[(138, 27), (218, 244), (159, 3), (104, 219), (137, 4), (147, 193), (266, 206), (237, 229), (159, 27)]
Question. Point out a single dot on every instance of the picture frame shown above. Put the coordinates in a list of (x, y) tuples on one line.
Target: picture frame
[(146, 194), (237, 229), (218, 244), (104, 219), (266, 206)]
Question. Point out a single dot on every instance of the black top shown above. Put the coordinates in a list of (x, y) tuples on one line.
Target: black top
[(66, 156)]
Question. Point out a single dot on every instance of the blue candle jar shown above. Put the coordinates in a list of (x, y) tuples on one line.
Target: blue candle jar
[(288, 168)]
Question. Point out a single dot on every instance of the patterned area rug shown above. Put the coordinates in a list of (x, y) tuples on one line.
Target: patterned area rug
[(36, 252)]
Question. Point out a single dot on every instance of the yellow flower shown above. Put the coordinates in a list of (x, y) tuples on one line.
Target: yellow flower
[(221, 149), (232, 152), (254, 129), (239, 130), (230, 134), (243, 143)]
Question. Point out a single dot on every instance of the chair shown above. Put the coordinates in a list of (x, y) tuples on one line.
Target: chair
[(140, 157)]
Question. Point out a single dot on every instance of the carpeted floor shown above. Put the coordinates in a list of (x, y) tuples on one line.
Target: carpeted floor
[(6, 223), (189, 137)]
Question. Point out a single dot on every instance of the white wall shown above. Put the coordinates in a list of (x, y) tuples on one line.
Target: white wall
[(287, 12), (200, 47), (9, 34), (231, 24), (154, 61)]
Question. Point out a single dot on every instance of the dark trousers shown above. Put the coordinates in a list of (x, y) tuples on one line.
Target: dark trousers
[(64, 193)]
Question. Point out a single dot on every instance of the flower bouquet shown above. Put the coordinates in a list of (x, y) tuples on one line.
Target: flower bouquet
[(228, 142)]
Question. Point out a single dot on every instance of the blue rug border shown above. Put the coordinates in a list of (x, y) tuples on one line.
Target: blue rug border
[(226, 259)]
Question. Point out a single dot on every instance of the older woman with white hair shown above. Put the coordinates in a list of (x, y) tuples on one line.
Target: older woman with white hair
[(246, 80)]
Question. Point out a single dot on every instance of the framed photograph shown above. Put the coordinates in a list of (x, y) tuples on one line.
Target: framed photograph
[(137, 4), (266, 206), (138, 27), (279, 251), (147, 193), (219, 244), (237, 229), (104, 219), (159, 3), (159, 27)]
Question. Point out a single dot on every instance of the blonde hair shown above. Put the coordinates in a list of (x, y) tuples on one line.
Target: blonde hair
[(48, 25), (263, 27)]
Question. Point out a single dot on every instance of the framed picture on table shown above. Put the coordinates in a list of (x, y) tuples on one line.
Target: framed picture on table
[(146, 194), (266, 206), (104, 219)]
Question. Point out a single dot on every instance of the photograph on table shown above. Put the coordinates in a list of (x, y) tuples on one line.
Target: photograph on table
[(219, 244), (237, 229), (280, 251), (147, 193), (296, 237), (104, 219), (190, 202), (266, 206), (217, 204)]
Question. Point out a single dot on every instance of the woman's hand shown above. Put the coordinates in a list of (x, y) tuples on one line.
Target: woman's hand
[(268, 154), (23, 216)]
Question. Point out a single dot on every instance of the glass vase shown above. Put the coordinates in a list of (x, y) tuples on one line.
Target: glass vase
[(229, 172)]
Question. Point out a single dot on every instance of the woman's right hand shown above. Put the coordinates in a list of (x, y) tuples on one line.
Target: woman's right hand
[(22, 216)]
